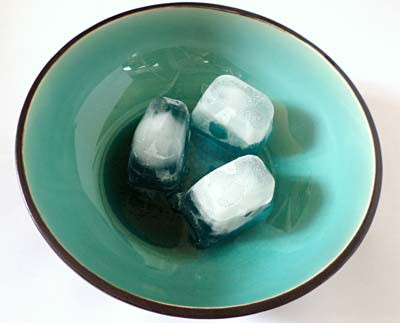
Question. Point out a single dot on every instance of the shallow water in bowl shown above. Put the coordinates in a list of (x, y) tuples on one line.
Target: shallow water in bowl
[(153, 219)]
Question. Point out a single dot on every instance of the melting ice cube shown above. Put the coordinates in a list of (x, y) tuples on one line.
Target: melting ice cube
[(234, 113), (227, 198), (159, 145)]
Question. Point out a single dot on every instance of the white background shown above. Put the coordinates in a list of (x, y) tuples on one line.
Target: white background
[(361, 36)]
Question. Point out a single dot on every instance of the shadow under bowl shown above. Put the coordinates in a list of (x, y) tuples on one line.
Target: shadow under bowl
[(73, 139)]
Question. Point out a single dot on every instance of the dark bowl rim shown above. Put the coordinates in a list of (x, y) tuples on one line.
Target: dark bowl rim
[(184, 311)]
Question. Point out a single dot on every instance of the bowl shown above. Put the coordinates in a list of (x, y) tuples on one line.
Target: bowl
[(73, 139)]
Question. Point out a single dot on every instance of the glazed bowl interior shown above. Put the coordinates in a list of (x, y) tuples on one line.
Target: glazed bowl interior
[(82, 115)]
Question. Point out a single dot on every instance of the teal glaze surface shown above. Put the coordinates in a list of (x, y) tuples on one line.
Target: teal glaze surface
[(321, 151)]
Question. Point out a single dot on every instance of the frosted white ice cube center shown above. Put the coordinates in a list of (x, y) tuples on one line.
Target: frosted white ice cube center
[(234, 112), (233, 194)]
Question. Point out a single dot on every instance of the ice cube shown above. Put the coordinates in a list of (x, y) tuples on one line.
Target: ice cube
[(234, 113), (227, 198), (159, 145)]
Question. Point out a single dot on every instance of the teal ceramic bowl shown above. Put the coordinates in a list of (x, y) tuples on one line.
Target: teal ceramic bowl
[(74, 133)]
